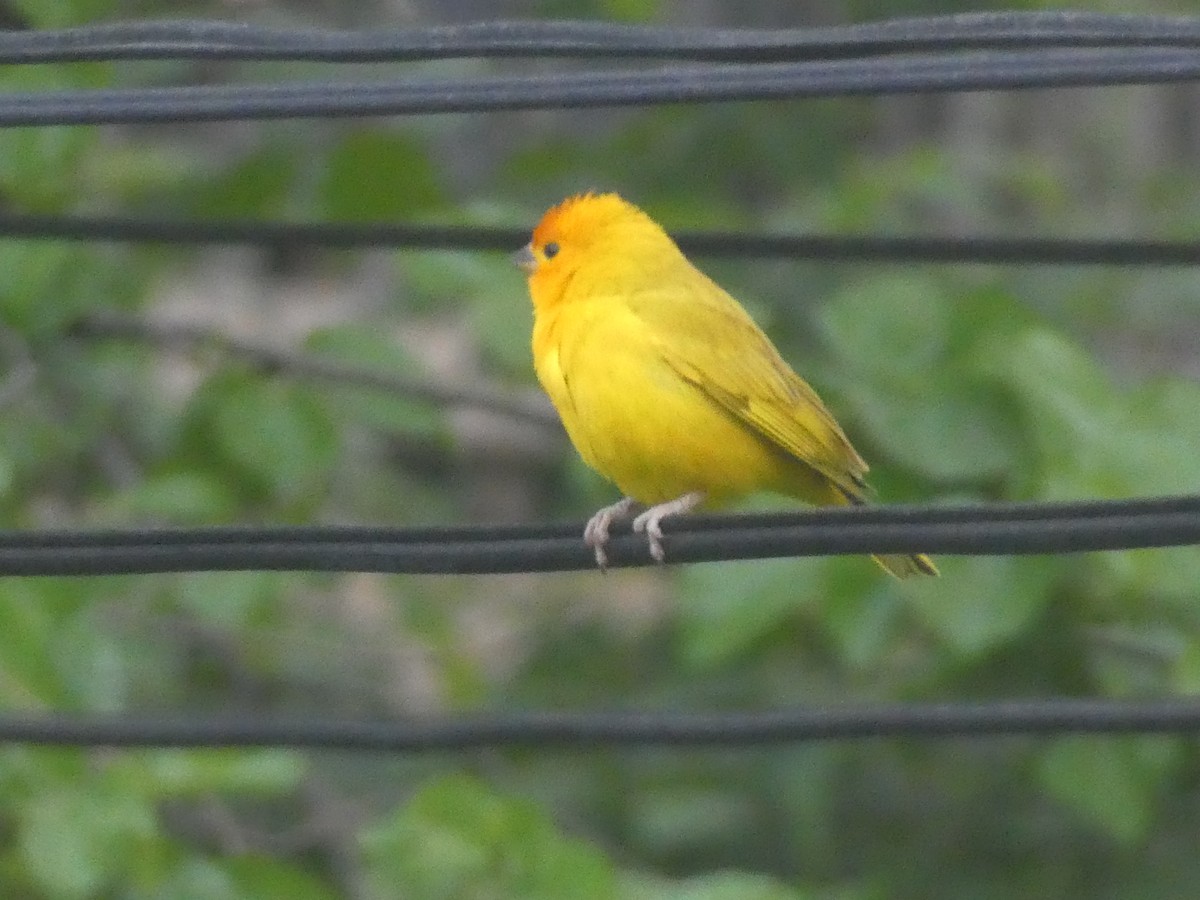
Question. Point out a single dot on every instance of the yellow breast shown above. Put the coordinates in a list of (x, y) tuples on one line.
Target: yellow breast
[(634, 419)]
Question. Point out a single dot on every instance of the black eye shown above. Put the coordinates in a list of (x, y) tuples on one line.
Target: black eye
[(550, 250)]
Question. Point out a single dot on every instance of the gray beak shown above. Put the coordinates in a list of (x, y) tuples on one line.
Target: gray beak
[(524, 259)]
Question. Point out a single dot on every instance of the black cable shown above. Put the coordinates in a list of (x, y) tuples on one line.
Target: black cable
[(1015, 528), (228, 40), (704, 243), (993, 529), (588, 730), (986, 70)]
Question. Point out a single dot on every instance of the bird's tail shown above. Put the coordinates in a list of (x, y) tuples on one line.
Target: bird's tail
[(901, 565)]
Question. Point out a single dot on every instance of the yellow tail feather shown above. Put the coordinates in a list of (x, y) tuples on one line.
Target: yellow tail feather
[(819, 489), (904, 566)]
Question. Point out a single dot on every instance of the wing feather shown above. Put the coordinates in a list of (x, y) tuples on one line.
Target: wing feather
[(712, 343)]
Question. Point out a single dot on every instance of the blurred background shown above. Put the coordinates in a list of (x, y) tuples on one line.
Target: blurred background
[(957, 382)]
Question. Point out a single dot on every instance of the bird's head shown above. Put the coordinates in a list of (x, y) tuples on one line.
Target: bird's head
[(602, 231)]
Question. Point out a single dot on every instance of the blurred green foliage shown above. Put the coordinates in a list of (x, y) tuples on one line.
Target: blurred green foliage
[(959, 383), (457, 838)]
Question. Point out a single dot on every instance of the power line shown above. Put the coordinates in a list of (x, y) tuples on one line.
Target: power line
[(227, 40), (974, 71), (415, 236), (992, 529), (981, 52), (591, 729)]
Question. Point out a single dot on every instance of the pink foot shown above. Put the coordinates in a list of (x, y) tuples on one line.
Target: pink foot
[(595, 534), (649, 521)]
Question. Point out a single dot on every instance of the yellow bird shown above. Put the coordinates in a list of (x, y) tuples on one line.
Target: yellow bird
[(664, 383)]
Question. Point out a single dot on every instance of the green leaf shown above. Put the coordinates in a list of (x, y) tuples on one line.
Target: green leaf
[(62, 13), (185, 773), (178, 497), (256, 186), (74, 842), (985, 323), (45, 285), (29, 624), (727, 608), (720, 886), (376, 175), (1071, 406), (7, 474), (1110, 781), (1095, 440), (97, 666), (486, 289), (1169, 574), (456, 840), (503, 323), (45, 169), (980, 602), (366, 349), (907, 376), (632, 10), (1185, 676), (687, 819), (950, 430), (276, 433), (861, 610), (1166, 425), (889, 329), (264, 878), (247, 875), (40, 167), (437, 281), (230, 599), (193, 878)]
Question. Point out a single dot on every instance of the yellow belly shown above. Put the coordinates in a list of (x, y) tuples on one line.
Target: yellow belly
[(635, 421)]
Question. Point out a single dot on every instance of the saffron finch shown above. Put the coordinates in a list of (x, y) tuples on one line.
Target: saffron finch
[(665, 384)]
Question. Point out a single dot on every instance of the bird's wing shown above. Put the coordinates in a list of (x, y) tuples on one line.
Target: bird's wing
[(706, 337)]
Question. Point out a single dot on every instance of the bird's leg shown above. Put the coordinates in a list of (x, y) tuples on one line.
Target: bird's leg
[(595, 534), (648, 521)]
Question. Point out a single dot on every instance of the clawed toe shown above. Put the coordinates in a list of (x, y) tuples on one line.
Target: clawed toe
[(595, 533), (649, 525), (597, 544), (650, 522)]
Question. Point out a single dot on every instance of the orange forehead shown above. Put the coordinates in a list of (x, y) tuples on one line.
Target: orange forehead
[(581, 215)]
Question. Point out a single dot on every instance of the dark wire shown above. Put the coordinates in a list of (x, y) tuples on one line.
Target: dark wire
[(588, 730), (226, 40), (995, 529), (1013, 528), (715, 244), (982, 70)]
